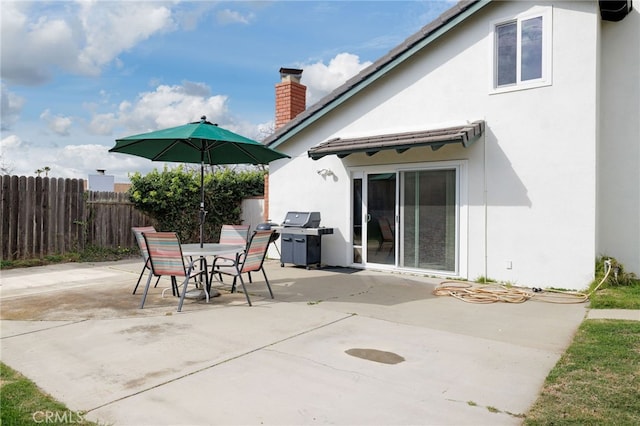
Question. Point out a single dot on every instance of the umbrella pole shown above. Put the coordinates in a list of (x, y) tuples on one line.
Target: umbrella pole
[(203, 213)]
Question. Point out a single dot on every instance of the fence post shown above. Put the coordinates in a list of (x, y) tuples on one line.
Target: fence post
[(38, 214)]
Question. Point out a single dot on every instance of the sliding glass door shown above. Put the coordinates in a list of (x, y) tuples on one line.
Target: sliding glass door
[(407, 219)]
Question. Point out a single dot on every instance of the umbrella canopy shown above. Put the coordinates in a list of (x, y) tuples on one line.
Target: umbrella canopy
[(199, 142)]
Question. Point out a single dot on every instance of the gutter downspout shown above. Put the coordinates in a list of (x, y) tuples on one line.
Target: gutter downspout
[(486, 220)]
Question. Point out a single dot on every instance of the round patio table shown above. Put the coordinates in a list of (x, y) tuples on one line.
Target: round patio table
[(208, 250)]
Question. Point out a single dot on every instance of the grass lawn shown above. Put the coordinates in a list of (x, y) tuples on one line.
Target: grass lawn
[(22, 403), (90, 254), (622, 297), (596, 381)]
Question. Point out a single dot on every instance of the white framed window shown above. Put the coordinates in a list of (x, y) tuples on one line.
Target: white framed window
[(521, 49)]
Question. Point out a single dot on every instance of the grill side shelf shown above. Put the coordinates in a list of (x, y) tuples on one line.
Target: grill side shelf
[(295, 230)]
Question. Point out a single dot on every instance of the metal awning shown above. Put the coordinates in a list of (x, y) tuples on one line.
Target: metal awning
[(465, 134)]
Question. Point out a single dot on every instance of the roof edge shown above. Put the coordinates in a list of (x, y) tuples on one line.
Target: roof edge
[(426, 35)]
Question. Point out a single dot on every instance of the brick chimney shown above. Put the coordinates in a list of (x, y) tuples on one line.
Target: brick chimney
[(291, 96)]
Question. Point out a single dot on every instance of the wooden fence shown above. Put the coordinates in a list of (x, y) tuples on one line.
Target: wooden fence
[(43, 216)]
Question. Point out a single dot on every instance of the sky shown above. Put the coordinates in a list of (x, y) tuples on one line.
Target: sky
[(77, 75)]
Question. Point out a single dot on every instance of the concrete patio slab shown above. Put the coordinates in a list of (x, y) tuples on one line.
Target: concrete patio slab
[(620, 314), (283, 361)]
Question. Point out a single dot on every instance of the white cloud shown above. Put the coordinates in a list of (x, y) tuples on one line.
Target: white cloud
[(32, 46), (188, 18), (96, 157), (10, 142), (34, 43), (195, 89), (228, 16), (70, 161), (10, 108), (56, 123), (102, 124), (321, 79), (165, 106), (170, 106), (113, 27)]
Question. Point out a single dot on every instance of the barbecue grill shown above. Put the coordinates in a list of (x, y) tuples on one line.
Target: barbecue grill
[(301, 235)]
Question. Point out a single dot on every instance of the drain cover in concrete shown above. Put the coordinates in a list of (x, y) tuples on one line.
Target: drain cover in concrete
[(375, 355)]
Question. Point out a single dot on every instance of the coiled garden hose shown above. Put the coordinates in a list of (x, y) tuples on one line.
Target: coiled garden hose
[(492, 293)]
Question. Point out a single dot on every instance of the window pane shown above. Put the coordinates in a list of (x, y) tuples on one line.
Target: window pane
[(381, 214), (531, 61), (506, 51)]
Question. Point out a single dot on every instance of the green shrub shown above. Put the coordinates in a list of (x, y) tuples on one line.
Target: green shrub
[(172, 198)]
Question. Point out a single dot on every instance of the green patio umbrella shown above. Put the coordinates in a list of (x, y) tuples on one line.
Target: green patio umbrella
[(198, 142)]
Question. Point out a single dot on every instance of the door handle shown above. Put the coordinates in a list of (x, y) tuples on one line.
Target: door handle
[(368, 217)]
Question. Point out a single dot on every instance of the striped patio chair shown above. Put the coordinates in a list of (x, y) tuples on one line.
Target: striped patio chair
[(251, 260), (166, 259), (137, 232), (233, 234)]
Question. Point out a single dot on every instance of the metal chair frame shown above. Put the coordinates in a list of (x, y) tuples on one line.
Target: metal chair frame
[(142, 245), (251, 260)]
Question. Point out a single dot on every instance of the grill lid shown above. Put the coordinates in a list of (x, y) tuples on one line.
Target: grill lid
[(302, 219)]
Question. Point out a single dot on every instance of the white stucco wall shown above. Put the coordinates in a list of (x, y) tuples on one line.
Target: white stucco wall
[(619, 145), (538, 156), (541, 164), (252, 211), (295, 185)]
